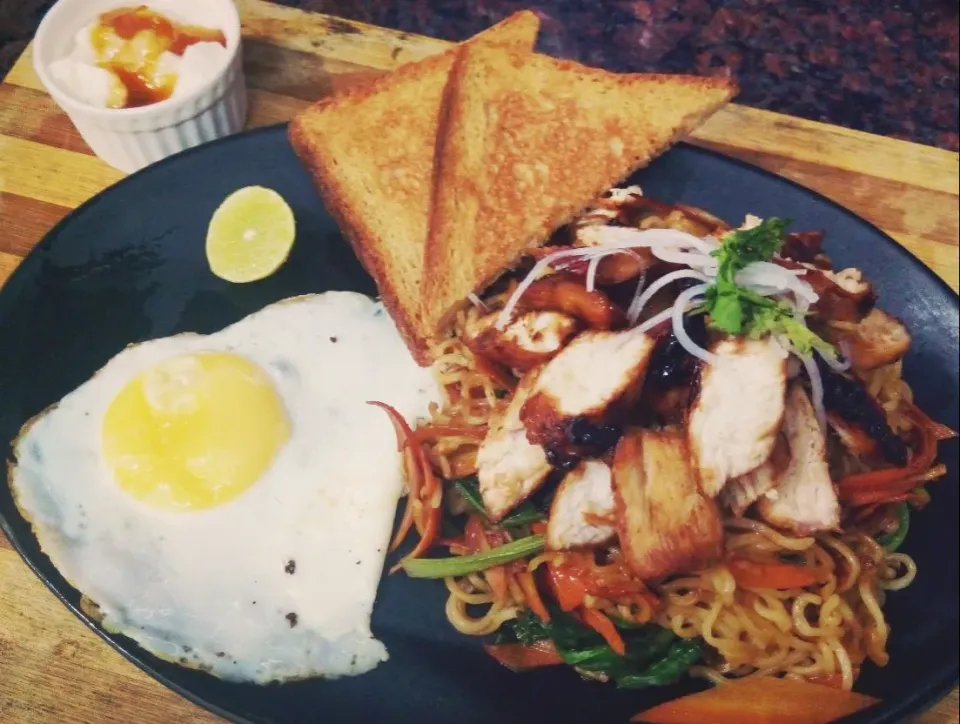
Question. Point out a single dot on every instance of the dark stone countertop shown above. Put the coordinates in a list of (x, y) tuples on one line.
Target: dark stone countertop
[(876, 65)]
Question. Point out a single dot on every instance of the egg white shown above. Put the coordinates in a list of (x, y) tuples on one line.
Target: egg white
[(278, 583)]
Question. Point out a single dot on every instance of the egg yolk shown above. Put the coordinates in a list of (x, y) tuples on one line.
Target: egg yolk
[(194, 431)]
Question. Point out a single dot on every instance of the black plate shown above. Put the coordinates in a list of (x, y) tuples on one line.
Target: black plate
[(129, 265)]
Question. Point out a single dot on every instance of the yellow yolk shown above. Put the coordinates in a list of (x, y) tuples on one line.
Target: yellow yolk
[(194, 431)]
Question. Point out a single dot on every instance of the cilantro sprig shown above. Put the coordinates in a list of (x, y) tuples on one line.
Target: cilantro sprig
[(738, 310)]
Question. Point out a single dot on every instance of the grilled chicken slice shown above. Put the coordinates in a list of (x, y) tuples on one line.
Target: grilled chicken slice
[(734, 420), (565, 292), (528, 341), (845, 295), (877, 340), (666, 525), (740, 493), (510, 467), (582, 512), (620, 267), (857, 417), (805, 500), (853, 437), (667, 388), (585, 389)]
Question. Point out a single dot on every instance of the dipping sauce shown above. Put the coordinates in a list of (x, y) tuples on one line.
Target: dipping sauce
[(134, 43)]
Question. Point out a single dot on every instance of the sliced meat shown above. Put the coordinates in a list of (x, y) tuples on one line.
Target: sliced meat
[(845, 296), (510, 467), (848, 403), (805, 500), (528, 341), (855, 439), (734, 420), (666, 525), (740, 493), (877, 340), (668, 388), (803, 246), (584, 391), (582, 512), (565, 292), (616, 268)]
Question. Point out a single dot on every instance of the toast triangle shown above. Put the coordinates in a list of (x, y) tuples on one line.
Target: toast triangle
[(371, 153), (530, 142)]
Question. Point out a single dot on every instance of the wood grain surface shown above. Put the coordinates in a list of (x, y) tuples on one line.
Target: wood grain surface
[(52, 667)]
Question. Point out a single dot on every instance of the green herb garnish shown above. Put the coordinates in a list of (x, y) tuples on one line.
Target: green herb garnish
[(462, 565), (739, 311), (654, 655), (469, 490), (892, 541)]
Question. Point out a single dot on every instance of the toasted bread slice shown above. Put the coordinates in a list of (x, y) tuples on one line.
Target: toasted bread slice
[(530, 142), (371, 150)]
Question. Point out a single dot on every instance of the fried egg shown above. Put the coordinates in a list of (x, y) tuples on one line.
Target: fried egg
[(226, 500)]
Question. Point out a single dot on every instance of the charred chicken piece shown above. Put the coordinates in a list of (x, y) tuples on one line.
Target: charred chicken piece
[(584, 392), (666, 525), (528, 341), (846, 399), (740, 493), (735, 419), (804, 500), (582, 512), (879, 339), (565, 292), (509, 467)]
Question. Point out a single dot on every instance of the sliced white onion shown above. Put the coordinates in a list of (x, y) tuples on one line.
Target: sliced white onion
[(541, 266), (656, 319), (604, 240), (764, 274), (693, 259), (637, 305), (622, 194), (816, 388), (679, 309), (625, 237), (477, 302), (837, 364), (592, 271)]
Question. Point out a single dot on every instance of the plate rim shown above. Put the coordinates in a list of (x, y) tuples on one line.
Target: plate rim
[(887, 712)]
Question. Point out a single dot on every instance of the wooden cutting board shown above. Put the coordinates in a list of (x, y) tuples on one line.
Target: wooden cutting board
[(52, 668)]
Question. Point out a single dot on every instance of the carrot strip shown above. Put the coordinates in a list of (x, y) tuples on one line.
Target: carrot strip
[(424, 494), (520, 657), (882, 485), (759, 700), (569, 590), (939, 431), (430, 530), (404, 530), (475, 537), (413, 472), (430, 492), (604, 626), (532, 595), (400, 426), (430, 433), (770, 574), (902, 491)]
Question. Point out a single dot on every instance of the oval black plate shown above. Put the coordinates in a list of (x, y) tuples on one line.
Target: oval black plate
[(129, 265)]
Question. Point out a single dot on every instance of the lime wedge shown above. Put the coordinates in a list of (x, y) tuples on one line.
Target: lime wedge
[(250, 235)]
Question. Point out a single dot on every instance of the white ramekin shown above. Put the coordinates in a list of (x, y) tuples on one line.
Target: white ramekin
[(130, 138)]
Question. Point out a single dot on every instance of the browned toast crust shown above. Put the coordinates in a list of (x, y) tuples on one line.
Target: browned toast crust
[(395, 121), (530, 142)]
